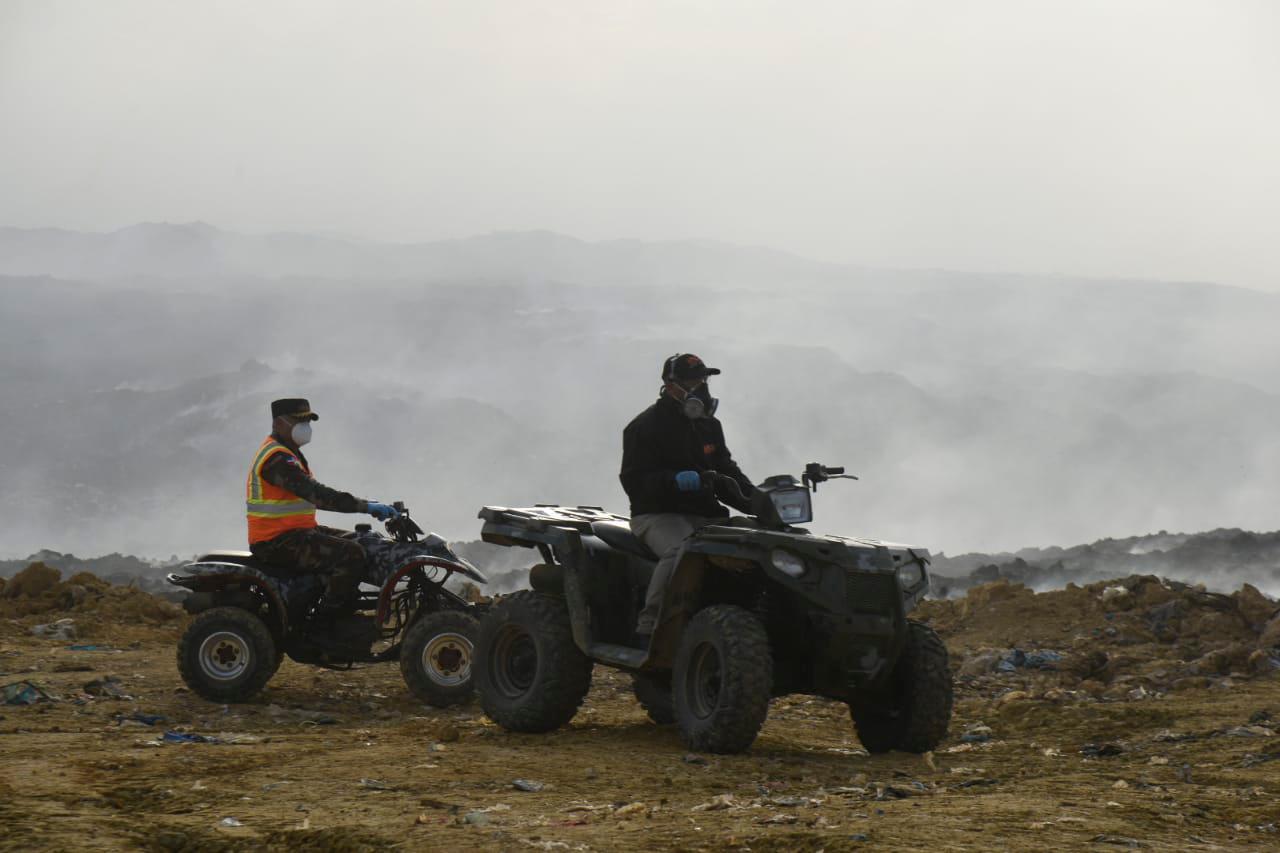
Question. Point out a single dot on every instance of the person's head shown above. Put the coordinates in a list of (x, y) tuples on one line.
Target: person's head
[(291, 419), (684, 379)]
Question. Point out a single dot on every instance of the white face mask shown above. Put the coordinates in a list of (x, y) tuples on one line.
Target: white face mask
[(301, 433)]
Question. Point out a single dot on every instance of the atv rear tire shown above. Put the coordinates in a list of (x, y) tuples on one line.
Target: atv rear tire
[(530, 674), (722, 681), (227, 655), (436, 656), (915, 715), (654, 694)]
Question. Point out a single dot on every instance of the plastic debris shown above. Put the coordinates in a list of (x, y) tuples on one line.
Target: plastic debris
[(376, 785), (187, 737), (229, 821), (109, 688), (716, 803), (145, 719), (528, 785), (26, 693), (91, 647), (63, 629), (1101, 750)]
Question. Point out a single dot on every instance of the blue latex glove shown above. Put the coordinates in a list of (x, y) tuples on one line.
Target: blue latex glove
[(689, 481), (382, 512)]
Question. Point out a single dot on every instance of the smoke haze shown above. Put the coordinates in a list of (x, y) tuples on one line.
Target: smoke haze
[(963, 249)]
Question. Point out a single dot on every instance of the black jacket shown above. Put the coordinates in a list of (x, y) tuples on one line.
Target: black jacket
[(660, 442)]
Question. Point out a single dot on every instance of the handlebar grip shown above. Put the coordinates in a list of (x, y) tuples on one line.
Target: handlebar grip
[(839, 470)]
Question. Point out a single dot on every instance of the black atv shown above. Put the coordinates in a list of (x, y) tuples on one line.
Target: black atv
[(755, 608), (250, 614)]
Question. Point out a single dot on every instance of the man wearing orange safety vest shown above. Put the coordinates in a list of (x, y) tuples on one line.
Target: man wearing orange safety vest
[(281, 499)]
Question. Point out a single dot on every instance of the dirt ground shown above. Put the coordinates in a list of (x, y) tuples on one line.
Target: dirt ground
[(1096, 753)]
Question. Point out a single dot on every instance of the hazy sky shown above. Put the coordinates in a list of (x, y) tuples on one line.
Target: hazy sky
[(1100, 138)]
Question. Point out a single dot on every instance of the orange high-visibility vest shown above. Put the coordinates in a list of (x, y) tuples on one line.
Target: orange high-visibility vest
[(271, 509)]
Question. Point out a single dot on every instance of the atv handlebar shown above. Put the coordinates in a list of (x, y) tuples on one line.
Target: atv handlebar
[(816, 472)]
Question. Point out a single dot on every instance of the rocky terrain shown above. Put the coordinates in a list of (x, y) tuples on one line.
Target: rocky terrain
[(1129, 713)]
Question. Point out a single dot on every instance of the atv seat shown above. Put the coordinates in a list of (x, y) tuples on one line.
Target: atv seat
[(250, 561), (240, 558), (617, 534)]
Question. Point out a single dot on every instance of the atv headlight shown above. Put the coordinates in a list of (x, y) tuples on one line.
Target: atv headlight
[(910, 575), (787, 563), (793, 505)]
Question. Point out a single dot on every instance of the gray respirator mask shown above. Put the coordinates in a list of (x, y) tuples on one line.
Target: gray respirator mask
[(699, 403)]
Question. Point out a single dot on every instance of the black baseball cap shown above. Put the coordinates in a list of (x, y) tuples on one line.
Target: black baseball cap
[(686, 365), (294, 407)]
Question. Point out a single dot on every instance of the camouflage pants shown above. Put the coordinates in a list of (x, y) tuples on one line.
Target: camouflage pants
[(318, 551)]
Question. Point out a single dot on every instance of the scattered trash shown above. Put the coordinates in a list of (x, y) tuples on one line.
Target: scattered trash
[(229, 821), (376, 785), (187, 737), (630, 810), (528, 785), (63, 629), (978, 783), (777, 819), (1119, 840), (109, 687), (715, 804), (1104, 750), (976, 733), (476, 818), (145, 719), (26, 693), (1250, 731), (90, 647)]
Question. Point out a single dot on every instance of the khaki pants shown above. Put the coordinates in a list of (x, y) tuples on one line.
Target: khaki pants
[(663, 533)]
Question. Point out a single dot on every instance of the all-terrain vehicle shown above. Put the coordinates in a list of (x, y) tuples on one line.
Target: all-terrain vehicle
[(250, 614), (756, 607)]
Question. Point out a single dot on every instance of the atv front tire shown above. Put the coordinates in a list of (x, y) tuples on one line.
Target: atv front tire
[(915, 713), (227, 655), (654, 694), (722, 681), (530, 674), (436, 656)]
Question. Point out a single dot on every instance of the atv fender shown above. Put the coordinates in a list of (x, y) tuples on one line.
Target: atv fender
[(210, 590)]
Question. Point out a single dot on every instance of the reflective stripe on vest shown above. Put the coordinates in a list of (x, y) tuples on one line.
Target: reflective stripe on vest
[(270, 509)]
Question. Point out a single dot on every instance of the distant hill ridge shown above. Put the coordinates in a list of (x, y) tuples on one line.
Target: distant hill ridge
[(1221, 559)]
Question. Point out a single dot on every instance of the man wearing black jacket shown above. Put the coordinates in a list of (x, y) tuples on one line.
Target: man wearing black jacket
[(669, 452)]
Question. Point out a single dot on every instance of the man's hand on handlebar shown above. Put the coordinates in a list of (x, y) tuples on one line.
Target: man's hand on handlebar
[(689, 481), (381, 511)]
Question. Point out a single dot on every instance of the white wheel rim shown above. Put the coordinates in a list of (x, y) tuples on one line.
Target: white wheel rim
[(447, 659), (225, 656)]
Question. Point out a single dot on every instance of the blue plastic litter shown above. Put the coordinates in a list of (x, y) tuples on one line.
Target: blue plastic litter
[(185, 737), (25, 693)]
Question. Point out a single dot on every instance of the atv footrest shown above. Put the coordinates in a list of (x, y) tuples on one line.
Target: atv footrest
[(610, 653)]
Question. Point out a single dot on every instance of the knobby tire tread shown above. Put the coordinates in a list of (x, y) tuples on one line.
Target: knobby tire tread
[(563, 674), (416, 639), (747, 680), (265, 657)]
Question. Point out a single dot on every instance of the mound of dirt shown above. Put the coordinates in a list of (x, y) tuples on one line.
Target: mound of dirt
[(38, 590), (1127, 638)]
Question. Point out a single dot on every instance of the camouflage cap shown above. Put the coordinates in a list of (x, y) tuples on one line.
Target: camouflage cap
[(294, 407)]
